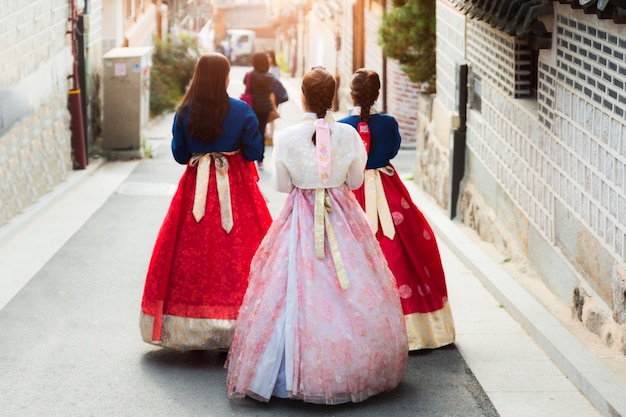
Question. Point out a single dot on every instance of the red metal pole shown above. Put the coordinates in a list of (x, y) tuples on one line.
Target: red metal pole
[(78, 137)]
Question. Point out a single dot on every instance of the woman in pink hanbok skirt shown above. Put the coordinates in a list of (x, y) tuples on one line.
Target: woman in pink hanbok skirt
[(321, 320)]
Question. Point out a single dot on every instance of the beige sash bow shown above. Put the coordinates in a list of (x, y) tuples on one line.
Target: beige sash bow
[(376, 205), (322, 221), (203, 161)]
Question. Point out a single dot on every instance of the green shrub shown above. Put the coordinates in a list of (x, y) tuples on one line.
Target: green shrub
[(173, 64), (407, 34)]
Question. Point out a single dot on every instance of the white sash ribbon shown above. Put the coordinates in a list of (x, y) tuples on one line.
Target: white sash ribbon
[(376, 205), (203, 161)]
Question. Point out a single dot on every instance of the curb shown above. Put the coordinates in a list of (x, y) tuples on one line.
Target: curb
[(592, 378)]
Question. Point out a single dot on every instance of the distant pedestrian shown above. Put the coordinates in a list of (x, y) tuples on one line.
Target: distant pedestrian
[(219, 48), (321, 320), (404, 235), (260, 82), (279, 96), (199, 269), (273, 69)]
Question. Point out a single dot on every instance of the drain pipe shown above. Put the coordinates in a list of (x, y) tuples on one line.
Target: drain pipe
[(74, 100)]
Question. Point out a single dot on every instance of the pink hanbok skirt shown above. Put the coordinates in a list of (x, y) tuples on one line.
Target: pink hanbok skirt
[(299, 334)]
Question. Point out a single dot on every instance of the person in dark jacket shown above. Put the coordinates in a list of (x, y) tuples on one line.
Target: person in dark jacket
[(261, 81)]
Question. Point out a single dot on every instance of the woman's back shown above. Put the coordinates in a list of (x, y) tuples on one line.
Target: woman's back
[(239, 131), (385, 136), (295, 157)]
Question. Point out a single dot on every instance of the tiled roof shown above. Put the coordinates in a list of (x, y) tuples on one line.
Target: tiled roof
[(521, 17)]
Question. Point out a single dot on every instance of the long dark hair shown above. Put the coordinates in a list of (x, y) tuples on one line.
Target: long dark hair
[(365, 86), (207, 99), (318, 87)]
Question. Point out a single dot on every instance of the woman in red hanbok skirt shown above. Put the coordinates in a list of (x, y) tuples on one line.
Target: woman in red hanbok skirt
[(403, 233), (199, 269)]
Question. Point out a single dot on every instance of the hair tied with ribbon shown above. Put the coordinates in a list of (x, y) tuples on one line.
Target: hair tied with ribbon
[(322, 149)]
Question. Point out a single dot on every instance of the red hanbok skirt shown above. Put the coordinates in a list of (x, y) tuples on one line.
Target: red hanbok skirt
[(413, 257), (198, 273)]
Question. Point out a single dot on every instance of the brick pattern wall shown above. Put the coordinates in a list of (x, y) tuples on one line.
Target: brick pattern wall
[(30, 32), (505, 136), (402, 102), (35, 150), (498, 66), (546, 177), (588, 152), (450, 51), (553, 169)]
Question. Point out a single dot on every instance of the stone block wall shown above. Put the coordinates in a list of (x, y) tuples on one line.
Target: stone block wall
[(588, 126), (583, 109), (545, 176), (450, 52), (35, 138)]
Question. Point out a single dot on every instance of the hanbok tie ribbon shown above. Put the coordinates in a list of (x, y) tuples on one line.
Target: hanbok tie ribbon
[(322, 149), (203, 161), (322, 223), (376, 205), (322, 226)]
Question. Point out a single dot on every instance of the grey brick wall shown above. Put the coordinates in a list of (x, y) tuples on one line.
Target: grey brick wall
[(550, 172), (450, 52), (589, 128)]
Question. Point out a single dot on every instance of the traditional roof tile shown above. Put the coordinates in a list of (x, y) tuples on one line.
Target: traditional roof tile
[(522, 17)]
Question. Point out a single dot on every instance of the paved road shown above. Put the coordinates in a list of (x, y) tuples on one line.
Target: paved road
[(70, 343)]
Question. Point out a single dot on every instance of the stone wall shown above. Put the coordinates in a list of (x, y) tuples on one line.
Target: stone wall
[(35, 138), (545, 177), (432, 168)]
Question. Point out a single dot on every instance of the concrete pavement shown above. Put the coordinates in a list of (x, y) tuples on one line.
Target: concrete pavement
[(525, 360)]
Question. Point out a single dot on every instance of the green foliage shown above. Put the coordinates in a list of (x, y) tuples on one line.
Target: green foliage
[(173, 64), (146, 147), (407, 34), (282, 62)]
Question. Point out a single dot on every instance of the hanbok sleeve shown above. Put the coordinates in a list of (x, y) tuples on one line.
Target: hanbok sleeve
[(356, 170), (179, 143), (395, 133), (280, 178), (251, 139)]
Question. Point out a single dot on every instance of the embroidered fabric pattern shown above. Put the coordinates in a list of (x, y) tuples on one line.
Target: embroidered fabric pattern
[(191, 273)]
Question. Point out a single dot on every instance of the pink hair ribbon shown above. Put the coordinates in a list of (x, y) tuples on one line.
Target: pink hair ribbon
[(322, 148)]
